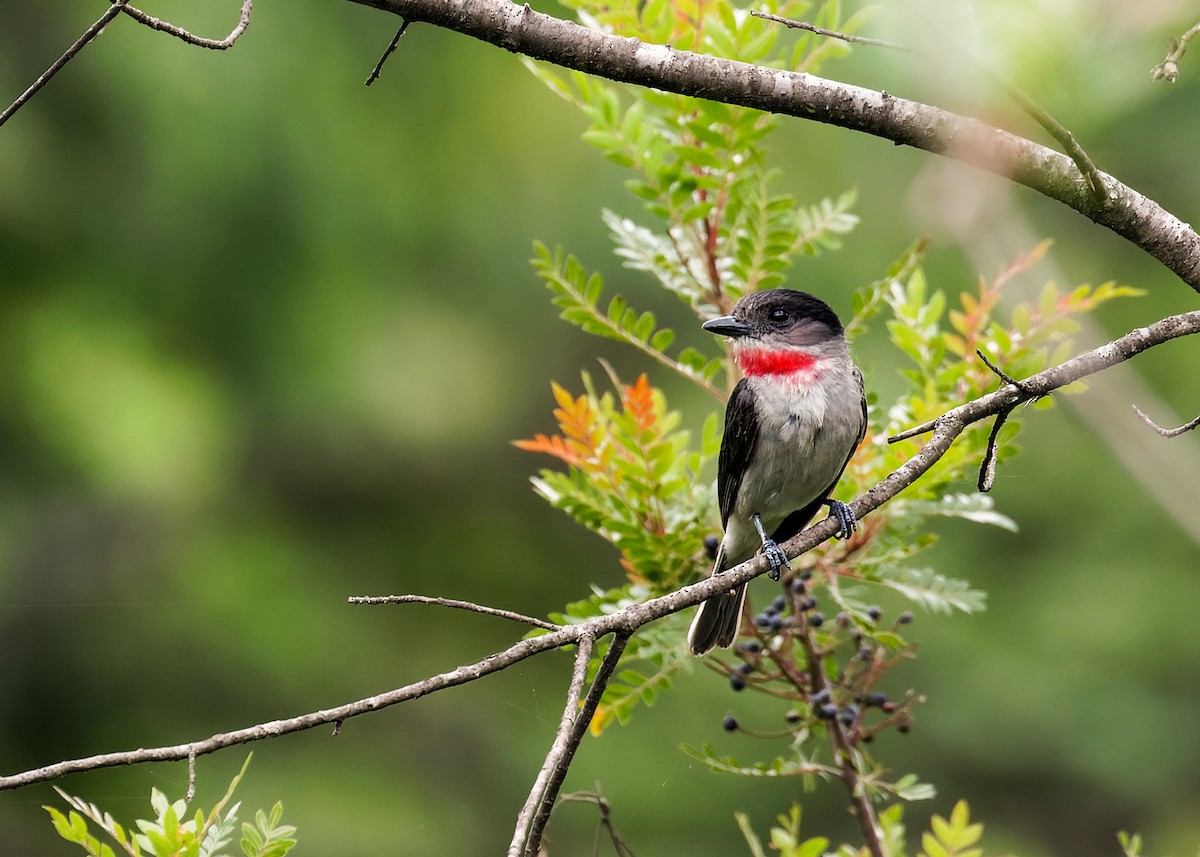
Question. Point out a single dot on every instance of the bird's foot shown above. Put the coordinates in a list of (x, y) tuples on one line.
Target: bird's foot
[(774, 554), (847, 522)]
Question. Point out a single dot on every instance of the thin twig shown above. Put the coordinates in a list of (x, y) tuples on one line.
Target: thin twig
[(1087, 167), (620, 846), (844, 754), (1165, 432), (527, 838), (375, 72), (455, 603), (199, 41), (1168, 69), (191, 779), (987, 468), (90, 33), (998, 372), (833, 34), (117, 7)]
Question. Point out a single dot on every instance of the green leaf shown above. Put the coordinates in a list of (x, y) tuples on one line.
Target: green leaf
[(935, 592), (752, 840), (976, 507)]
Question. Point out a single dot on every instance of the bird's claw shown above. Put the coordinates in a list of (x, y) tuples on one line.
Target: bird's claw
[(774, 554), (847, 522), (776, 557)]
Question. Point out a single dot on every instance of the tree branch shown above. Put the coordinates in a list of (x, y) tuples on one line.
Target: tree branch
[(516, 28), (1168, 69), (455, 603), (1166, 432), (117, 7), (199, 41), (90, 33), (625, 622), (577, 716)]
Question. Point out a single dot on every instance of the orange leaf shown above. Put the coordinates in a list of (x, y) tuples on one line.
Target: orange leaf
[(555, 446), (600, 718), (638, 401)]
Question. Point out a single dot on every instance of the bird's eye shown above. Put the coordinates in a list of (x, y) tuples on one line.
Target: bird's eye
[(778, 315)]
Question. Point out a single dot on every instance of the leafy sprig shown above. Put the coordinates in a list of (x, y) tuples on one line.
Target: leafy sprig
[(172, 832), (713, 227)]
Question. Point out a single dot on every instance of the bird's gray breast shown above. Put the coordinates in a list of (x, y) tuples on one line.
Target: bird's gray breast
[(804, 437)]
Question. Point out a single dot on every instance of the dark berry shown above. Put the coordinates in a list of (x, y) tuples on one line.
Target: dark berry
[(792, 717), (751, 646), (820, 697), (905, 617), (745, 668), (806, 574), (816, 619), (903, 728), (762, 620), (848, 714), (876, 699), (842, 619), (865, 653), (778, 604), (775, 622), (737, 681), (729, 724), (711, 543), (827, 711), (799, 587), (875, 613), (808, 603)]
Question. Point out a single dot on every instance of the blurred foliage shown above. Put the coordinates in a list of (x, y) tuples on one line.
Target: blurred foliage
[(265, 335)]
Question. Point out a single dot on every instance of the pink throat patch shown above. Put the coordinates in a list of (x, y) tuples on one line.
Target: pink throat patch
[(761, 361)]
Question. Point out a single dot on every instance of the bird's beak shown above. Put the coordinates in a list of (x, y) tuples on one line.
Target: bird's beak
[(727, 325)]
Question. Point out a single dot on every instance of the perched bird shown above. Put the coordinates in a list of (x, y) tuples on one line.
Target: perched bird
[(791, 425)]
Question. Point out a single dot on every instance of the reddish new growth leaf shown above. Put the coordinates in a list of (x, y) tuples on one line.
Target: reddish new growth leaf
[(583, 443), (638, 401)]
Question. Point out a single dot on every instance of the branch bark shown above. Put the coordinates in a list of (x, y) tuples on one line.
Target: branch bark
[(519, 29)]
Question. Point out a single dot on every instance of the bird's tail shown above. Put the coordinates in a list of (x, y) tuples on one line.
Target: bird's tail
[(718, 619)]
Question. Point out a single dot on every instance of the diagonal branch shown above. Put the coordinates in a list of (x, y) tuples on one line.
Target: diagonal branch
[(625, 622), (90, 33), (518, 28)]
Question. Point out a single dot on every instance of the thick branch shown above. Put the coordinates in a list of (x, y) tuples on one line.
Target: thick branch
[(522, 30)]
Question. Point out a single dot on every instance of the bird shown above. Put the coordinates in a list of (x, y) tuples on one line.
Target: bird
[(791, 425)]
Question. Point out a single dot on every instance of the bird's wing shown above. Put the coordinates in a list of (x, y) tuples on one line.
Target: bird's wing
[(737, 447)]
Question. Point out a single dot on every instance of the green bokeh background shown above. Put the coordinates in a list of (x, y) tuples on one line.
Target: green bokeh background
[(265, 335)]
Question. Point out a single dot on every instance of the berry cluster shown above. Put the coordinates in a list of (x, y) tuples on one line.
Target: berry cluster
[(827, 669)]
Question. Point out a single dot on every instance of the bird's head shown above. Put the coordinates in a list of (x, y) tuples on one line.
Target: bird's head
[(780, 332)]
